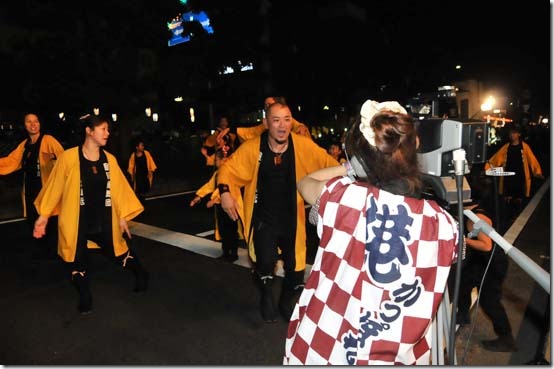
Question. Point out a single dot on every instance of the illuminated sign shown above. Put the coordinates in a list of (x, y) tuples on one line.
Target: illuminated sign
[(177, 26)]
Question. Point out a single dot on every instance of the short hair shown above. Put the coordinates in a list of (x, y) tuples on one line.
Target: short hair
[(281, 103), (29, 113)]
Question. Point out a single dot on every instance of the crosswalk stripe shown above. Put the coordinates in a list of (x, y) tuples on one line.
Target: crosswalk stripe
[(195, 244)]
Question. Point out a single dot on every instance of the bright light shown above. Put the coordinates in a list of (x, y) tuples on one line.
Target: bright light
[(246, 67), (326, 107), (191, 113), (488, 104), (61, 115), (155, 117), (178, 99), (148, 112), (458, 66), (544, 121), (96, 111), (227, 70), (114, 117)]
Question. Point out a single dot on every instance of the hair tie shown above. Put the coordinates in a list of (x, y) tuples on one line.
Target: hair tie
[(368, 111)]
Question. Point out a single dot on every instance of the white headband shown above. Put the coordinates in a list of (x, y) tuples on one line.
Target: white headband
[(369, 109)]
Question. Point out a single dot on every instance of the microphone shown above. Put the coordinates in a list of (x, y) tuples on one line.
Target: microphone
[(459, 157)]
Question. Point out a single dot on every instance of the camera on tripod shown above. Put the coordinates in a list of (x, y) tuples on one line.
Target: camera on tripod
[(438, 139)]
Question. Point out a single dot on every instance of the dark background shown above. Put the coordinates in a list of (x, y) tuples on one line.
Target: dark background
[(71, 55)]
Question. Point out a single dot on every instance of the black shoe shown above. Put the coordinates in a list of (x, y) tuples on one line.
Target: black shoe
[(141, 275), (85, 297), (501, 344), (288, 299), (267, 306)]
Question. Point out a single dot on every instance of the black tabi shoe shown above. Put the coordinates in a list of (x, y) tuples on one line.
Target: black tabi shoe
[(267, 306), (85, 296)]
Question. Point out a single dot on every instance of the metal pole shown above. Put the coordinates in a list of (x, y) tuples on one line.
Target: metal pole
[(496, 205)]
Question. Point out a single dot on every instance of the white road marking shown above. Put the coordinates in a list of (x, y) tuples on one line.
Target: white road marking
[(196, 244)]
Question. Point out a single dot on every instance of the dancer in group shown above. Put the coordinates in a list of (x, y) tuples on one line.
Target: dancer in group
[(226, 229), (515, 156), (268, 166), (141, 168), (95, 202), (36, 156)]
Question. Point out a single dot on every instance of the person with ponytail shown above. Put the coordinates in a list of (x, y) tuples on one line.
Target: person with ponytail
[(384, 254), (95, 202)]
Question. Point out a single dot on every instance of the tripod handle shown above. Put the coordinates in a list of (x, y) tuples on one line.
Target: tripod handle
[(528, 265)]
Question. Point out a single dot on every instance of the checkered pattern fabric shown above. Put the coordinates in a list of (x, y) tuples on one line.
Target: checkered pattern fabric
[(377, 280)]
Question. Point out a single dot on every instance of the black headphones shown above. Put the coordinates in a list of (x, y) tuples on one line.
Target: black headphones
[(355, 164)]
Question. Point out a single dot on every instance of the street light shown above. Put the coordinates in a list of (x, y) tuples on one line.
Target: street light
[(489, 104)]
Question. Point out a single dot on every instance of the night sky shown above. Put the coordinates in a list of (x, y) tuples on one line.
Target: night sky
[(57, 54)]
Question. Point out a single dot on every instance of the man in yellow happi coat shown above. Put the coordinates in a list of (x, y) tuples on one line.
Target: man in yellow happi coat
[(268, 167)]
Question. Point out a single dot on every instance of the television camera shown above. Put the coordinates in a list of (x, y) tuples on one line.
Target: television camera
[(438, 140)]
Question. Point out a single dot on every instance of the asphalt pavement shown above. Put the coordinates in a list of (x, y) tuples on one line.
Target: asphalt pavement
[(200, 311)]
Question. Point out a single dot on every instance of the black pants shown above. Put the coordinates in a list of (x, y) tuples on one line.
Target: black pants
[(142, 186), (267, 240), (104, 240), (228, 230), (490, 293), (48, 244)]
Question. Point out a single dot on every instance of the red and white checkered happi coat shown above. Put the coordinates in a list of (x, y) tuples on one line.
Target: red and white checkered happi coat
[(377, 280)]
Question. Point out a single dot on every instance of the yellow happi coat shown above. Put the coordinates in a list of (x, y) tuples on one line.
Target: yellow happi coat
[(14, 161), (63, 189), (241, 169), (210, 187), (531, 166), (150, 166)]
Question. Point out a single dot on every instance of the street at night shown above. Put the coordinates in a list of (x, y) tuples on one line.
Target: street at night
[(167, 73)]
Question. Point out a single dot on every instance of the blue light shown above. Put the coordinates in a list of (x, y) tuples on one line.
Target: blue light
[(176, 26)]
